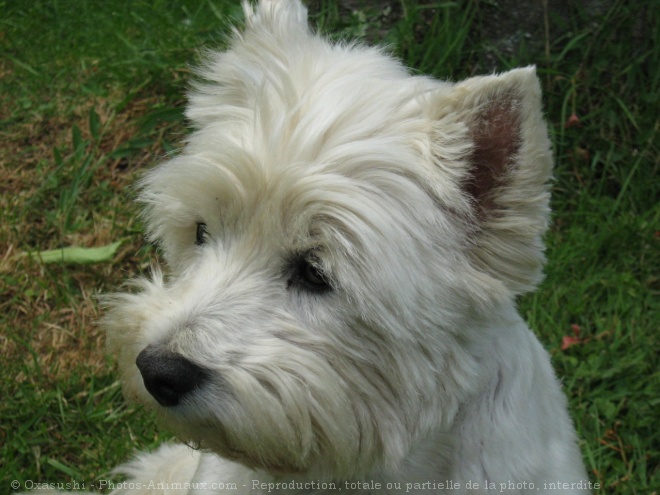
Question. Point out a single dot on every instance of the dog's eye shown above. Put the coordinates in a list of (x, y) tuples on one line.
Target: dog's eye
[(307, 275), (200, 237), (312, 275)]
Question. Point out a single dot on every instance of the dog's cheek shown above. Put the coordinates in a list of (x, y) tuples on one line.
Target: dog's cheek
[(277, 409)]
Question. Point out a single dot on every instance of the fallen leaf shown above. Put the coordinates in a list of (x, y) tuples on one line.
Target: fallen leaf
[(572, 121), (77, 255), (568, 341)]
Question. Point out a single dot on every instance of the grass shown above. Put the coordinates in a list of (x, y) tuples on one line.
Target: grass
[(91, 94)]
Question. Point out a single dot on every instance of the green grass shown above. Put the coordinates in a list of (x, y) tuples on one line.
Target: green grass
[(91, 93)]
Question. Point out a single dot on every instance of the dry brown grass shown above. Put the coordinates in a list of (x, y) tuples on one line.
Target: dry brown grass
[(50, 311)]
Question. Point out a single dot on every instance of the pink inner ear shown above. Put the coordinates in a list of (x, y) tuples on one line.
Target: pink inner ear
[(495, 132)]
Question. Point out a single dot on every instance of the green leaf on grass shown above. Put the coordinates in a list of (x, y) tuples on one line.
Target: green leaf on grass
[(62, 467), (78, 255)]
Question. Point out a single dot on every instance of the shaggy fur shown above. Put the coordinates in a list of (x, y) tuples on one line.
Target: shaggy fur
[(344, 244)]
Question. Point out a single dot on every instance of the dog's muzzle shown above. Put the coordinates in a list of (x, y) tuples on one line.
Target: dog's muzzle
[(168, 376)]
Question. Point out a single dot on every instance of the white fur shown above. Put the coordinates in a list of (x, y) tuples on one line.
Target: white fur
[(415, 367)]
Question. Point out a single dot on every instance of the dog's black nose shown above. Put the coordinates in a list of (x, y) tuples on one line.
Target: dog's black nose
[(168, 376)]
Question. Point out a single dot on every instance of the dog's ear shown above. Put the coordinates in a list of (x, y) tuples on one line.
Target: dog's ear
[(505, 170), (285, 16), (257, 55)]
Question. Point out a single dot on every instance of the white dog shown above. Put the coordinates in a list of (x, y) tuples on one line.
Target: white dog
[(345, 242)]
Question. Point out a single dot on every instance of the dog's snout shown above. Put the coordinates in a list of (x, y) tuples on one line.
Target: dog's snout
[(168, 376)]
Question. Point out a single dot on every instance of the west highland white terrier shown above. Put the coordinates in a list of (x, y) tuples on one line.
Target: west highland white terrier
[(345, 242)]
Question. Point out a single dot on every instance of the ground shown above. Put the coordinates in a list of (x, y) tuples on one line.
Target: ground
[(91, 94)]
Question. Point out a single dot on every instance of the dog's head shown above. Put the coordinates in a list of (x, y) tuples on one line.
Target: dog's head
[(333, 229)]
